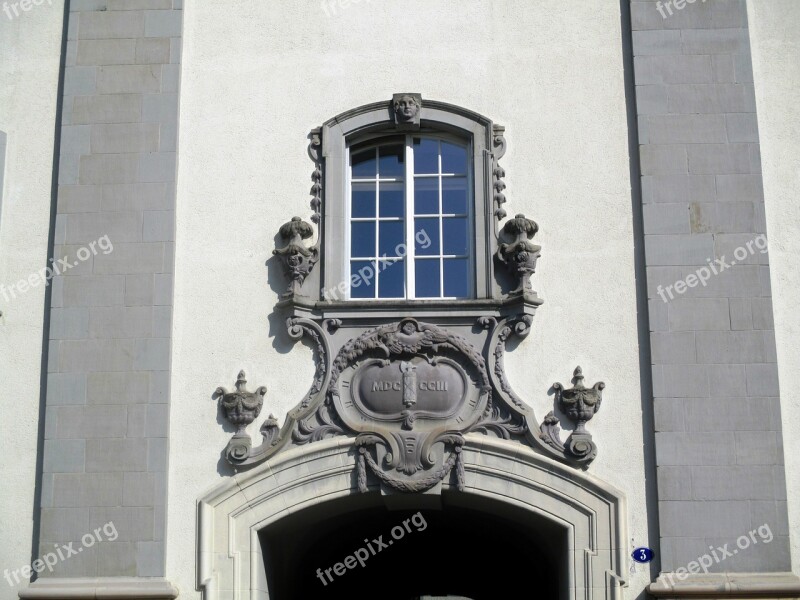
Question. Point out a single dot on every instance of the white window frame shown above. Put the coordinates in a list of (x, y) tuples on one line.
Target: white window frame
[(409, 181), (330, 146)]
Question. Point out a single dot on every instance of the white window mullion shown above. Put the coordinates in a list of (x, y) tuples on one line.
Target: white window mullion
[(409, 214), (441, 224), (377, 223), (348, 224), (471, 242)]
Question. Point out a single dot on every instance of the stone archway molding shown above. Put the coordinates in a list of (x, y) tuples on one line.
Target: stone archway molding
[(231, 565)]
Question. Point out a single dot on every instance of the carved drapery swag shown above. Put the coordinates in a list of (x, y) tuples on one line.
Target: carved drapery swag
[(409, 380)]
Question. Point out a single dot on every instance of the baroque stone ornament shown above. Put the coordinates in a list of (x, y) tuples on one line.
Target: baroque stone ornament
[(315, 153), (297, 257), (498, 173), (241, 408), (521, 254), (406, 109), (580, 404), (412, 382)]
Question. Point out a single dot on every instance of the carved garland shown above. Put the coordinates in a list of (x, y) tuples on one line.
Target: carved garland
[(498, 173)]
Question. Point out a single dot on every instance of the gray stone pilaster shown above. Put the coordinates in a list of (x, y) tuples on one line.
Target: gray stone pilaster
[(106, 434), (716, 398)]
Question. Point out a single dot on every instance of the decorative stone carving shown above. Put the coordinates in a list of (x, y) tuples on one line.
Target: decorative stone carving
[(298, 259), (406, 109), (407, 389), (580, 404), (315, 152), (498, 173), (521, 254), (409, 380), (410, 391), (241, 408)]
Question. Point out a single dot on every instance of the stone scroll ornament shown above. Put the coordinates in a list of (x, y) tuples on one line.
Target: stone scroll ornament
[(580, 404)]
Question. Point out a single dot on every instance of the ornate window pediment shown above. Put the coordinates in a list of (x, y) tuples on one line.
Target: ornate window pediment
[(412, 362)]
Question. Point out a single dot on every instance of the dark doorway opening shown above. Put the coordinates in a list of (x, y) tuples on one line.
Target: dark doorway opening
[(470, 548)]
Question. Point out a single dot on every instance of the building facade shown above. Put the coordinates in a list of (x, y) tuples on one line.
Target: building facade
[(413, 300)]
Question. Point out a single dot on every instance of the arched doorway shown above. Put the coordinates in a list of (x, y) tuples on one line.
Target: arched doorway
[(520, 514), (468, 546)]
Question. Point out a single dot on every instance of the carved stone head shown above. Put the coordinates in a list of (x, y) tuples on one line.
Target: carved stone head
[(407, 108)]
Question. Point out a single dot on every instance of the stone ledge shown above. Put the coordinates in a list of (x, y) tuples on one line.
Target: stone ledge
[(100, 588), (726, 585)]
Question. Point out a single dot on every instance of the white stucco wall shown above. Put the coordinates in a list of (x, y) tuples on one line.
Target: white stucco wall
[(256, 77), (30, 49), (775, 39)]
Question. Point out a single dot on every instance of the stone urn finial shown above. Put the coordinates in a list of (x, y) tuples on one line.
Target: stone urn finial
[(580, 404), (241, 407)]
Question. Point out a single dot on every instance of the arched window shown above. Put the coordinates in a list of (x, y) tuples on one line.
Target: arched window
[(408, 196)]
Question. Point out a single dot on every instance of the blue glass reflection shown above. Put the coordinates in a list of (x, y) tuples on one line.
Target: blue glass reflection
[(391, 199), (454, 195), (426, 195), (363, 200), (426, 236), (390, 238), (364, 164), (362, 279), (454, 235), (426, 155), (391, 279), (456, 277), (362, 239), (426, 280), (391, 162), (454, 159)]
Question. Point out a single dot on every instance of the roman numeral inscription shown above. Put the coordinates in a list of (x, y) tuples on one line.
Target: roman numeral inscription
[(430, 386)]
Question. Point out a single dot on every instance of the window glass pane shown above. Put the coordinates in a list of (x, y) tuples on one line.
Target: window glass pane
[(364, 164), (391, 279), (363, 200), (391, 199), (456, 277), (426, 237), (454, 158), (454, 195), (390, 238), (362, 279), (427, 278), (391, 162), (426, 195), (426, 155), (362, 239), (454, 235)]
